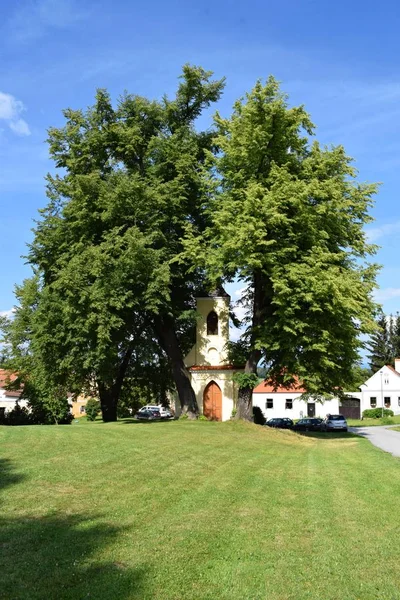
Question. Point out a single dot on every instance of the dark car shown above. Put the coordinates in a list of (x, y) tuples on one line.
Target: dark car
[(308, 425), (148, 415), (281, 423), (334, 423)]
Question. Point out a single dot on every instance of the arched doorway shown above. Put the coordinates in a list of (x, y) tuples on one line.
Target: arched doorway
[(212, 402)]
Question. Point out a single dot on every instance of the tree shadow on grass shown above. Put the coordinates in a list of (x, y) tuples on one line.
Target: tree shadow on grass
[(133, 421), (7, 475), (334, 435), (54, 557)]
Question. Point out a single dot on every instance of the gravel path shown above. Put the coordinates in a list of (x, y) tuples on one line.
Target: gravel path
[(382, 437)]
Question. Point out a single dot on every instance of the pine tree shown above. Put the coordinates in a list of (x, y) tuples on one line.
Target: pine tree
[(380, 346)]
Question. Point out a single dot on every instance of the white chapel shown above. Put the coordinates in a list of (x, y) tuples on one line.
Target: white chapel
[(211, 375)]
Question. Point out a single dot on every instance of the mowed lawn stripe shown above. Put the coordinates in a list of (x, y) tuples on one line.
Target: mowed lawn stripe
[(199, 510)]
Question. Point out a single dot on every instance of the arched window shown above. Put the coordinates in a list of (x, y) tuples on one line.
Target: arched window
[(212, 323)]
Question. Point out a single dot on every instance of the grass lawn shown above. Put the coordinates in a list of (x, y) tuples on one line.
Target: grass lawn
[(181, 510), (374, 422)]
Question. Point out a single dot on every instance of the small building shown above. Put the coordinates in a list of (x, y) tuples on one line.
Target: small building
[(382, 389), (287, 402), (210, 371), (8, 398)]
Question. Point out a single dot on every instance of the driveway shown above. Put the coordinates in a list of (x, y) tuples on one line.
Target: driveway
[(382, 437)]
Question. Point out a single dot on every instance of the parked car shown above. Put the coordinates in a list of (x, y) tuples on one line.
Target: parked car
[(308, 425), (334, 423), (164, 412), (281, 423), (148, 415)]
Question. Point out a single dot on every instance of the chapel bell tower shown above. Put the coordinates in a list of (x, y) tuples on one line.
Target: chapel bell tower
[(211, 375)]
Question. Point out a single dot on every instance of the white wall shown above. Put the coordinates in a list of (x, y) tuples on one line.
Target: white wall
[(299, 409), (8, 402), (384, 383)]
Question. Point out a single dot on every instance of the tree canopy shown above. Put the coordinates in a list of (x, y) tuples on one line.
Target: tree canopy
[(145, 210), (287, 219)]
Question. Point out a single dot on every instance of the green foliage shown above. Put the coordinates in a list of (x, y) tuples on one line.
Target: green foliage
[(359, 376), (245, 380), (287, 221), (92, 408), (233, 413), (183, 417), (202, 418), (19, 415), (130, 178), (381, 344), (384, 344), (376, 413)]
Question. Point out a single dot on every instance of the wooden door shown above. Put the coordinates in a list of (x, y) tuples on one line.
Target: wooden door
[(212, 402)]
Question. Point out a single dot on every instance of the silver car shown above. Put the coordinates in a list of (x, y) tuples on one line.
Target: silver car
[(334, 423)]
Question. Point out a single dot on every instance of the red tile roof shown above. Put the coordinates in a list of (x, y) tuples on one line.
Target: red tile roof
[(265, 387), (7, 377)]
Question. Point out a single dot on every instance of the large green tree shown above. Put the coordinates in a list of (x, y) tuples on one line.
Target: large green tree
[(112, 297), (287, 222)]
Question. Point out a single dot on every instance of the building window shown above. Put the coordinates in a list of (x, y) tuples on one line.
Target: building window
[(289, 404), (82, 410), (386, 379), (269, 403), (387, 401), (373, 401), (212, 323), (398, 400)]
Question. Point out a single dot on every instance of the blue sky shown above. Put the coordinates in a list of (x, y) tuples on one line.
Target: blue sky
[(339, 59)]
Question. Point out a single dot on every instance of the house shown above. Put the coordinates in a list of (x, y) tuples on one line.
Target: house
[(210, 372), (78, 405), (288, 402), (8, 398), (382, 389)]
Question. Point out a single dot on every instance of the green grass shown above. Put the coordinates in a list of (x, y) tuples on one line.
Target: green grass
[(200, 511), (374, 422)]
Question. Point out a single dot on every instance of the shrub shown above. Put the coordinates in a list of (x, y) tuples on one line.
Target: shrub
[(376, 413), (234, 413), (92, 409), (203, 418), (18, 416), (183, 417), (258, 416)]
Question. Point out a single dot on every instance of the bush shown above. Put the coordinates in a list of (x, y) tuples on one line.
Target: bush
[(234, 413), (376, 413), (184, 417), (92, 408), (203, 418), (258, 416), (18, 416)]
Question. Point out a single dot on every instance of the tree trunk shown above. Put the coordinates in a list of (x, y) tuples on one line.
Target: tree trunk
[(260, 303), (108, 403), (245, 397), (109, 396), (169, 342)]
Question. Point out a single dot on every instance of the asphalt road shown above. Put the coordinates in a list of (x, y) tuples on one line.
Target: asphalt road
[(382, 437)]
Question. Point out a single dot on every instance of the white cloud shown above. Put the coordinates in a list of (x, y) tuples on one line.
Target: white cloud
[(384, 294), (7, 313), (10, 111), (33, 19), (375, 233)]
